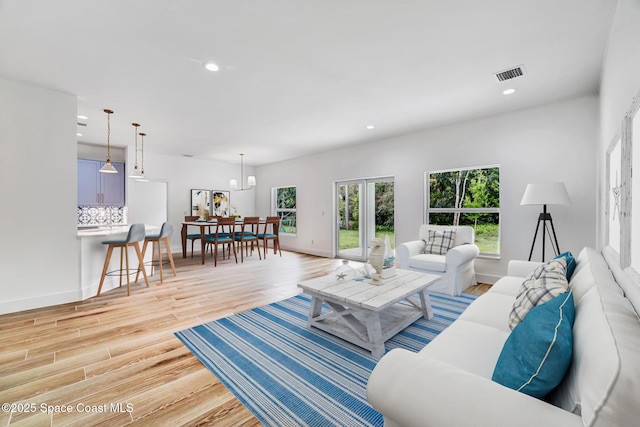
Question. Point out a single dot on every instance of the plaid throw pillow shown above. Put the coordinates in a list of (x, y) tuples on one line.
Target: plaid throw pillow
[(439, 242), (545, 283)]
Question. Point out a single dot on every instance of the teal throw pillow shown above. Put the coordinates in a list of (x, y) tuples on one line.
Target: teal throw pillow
[(538, 352), (571, 262)]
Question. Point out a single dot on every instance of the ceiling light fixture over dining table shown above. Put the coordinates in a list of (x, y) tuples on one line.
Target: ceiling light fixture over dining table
[(251, 180)]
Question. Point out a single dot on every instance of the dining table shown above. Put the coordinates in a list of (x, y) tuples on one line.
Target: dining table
[(202, 225)]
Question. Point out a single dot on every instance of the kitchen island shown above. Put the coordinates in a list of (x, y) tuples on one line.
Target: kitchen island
[(92, 255)]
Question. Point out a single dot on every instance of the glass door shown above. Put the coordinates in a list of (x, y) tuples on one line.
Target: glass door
[(365, 209)]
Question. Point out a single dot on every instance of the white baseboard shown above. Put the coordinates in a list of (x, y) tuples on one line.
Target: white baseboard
[(39, 302), (487, 278)]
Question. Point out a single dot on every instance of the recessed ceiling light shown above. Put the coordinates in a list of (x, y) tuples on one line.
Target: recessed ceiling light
[(370, 127), (211, 66), (78, 134), (508, 91), (83, 117)]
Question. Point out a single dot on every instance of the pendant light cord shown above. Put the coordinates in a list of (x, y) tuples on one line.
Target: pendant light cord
[(109, 112), (142, 135), (135, 133)]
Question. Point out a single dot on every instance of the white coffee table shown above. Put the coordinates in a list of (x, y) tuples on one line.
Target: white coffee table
[(367, 315)]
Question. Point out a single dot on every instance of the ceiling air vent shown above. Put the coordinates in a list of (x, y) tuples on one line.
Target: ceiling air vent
[(511, 73), (81, 124)]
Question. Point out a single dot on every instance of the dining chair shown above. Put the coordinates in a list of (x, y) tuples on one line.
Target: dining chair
[(195, 236), (248, 235), (221, 237), (162, 237), (225, 231), (271, 232), (134, 236)]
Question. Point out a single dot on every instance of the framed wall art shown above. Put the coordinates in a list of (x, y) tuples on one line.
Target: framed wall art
[(200, 202), (221, 203)]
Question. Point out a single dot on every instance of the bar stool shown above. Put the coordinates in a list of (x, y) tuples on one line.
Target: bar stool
[(135, 235), (165, 232)]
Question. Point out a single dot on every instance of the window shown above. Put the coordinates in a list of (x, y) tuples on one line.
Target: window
[(468, 196), (284, 206)]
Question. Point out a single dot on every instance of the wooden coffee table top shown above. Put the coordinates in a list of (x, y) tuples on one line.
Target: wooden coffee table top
[(366, 295)]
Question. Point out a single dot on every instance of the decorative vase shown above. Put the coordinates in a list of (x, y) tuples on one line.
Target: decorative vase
[(344, 272), (376, 259)]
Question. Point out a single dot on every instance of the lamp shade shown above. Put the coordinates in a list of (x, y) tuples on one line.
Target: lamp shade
[(108, 168), (546, 193)]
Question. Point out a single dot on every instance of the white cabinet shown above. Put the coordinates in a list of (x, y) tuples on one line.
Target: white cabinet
[(100, 189)]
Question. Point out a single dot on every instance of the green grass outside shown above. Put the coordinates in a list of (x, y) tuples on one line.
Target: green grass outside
[(487, 239), (349, 239)]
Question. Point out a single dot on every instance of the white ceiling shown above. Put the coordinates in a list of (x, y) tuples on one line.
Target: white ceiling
[(297, 76)]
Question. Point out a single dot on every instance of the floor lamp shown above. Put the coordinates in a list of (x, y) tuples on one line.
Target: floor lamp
[(550, 193)]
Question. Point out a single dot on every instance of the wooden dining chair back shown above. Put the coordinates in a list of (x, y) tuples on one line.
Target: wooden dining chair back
[(248, 234), (271, 232), (157, 239), (195, 236), (222, 237), (135, 235)]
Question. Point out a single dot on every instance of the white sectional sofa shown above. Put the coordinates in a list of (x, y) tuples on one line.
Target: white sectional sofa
[(448, 383)]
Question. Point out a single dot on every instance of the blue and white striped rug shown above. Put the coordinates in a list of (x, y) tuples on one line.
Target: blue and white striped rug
[(289, 375)]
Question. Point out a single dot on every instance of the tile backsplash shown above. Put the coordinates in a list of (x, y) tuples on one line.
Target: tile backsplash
[(102, 215)]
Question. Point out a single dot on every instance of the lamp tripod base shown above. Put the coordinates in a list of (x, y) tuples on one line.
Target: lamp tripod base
[(543, 218)]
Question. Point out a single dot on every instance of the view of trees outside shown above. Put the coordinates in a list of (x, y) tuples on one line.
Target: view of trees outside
[(285, 208), (468, 197), (349, 213)]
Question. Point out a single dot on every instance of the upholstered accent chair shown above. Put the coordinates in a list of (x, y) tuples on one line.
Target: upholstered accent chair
[(447, 251)]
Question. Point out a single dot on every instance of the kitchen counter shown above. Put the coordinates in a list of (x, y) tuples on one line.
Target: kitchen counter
[(93, 253), (107, 230)]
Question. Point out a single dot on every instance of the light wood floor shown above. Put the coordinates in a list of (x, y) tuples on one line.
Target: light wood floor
[(116, 349)]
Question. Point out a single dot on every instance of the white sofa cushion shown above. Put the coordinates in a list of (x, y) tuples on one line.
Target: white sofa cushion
[(452, 345), (490, 310), (602, 381), (507, 285), (592, 268), (429, 262)]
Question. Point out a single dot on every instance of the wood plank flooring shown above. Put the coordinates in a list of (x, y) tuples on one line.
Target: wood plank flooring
[(113, 360)]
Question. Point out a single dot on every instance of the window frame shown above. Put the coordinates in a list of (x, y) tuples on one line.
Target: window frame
[(276, 211), (427, 210)]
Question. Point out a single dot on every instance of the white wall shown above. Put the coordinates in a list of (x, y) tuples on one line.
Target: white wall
[(620, 84), (554, 142), (183, 174), (39, 248)]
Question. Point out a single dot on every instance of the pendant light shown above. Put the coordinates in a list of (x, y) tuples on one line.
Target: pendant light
[(108, 167), (136, 171), (142, 177), (251, 180)]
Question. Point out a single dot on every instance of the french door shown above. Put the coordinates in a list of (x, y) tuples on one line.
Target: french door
[(364, 210)]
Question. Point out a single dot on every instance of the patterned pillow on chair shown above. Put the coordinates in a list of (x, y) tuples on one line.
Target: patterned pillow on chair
[(543, 284), (439, 242)]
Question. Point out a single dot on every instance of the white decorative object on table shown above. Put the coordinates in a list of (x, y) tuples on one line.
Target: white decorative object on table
[(345, 272), (376, 259)]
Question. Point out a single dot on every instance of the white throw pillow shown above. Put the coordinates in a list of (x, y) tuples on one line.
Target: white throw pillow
[(439, 242), (543, 284)]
